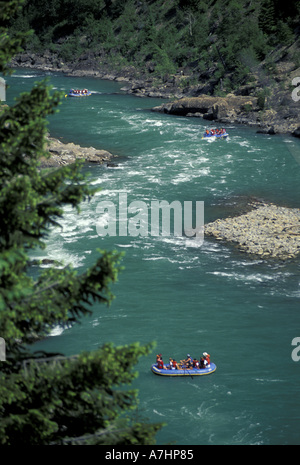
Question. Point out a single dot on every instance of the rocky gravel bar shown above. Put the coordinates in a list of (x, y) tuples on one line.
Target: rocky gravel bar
[(267, 231), (65, 154)]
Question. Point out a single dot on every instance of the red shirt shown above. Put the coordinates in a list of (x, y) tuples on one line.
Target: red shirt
[(160, 364)]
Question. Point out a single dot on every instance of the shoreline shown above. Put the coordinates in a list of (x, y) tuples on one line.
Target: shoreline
[(67, 153), (267, 231), (280, 116)]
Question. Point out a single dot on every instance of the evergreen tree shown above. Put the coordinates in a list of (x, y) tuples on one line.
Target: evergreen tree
[(214, 36), (267, 17), (48, 399)]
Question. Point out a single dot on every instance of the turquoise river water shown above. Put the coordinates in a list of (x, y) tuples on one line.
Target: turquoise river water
[(189, 299)]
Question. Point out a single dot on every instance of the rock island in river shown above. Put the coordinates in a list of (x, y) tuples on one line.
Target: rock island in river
[(268, 231), (65, 154)]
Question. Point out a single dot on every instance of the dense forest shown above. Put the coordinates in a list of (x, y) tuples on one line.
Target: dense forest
[(223, 39)]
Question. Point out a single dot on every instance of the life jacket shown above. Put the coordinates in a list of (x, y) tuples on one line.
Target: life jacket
[(189, 363), (160, 364)]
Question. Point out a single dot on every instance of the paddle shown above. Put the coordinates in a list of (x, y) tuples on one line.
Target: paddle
[(189, 373), (185, 369)]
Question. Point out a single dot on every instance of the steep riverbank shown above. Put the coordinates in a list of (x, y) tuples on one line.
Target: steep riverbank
[(272, 111), (236, 109)]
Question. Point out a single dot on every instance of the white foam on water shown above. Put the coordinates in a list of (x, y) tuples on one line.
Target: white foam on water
[(57, 331), (64, 257), (160, 414), (189, 176), (154, 122), (153, 259), (267, 380), (242, 277), (25, 76)]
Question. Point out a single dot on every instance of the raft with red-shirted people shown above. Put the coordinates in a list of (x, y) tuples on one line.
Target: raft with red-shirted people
[(187, 367), (215, 134), (79, 93)]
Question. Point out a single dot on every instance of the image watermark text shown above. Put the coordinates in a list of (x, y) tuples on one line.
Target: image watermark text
[(157, 218), (296, 91), (296, 351), (2, 350)]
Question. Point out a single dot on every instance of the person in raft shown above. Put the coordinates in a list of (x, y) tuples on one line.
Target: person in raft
[(188, 363), (206, 357), (173, 365), (196, 364), (160, 363)]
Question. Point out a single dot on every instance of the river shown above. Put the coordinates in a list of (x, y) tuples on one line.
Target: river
[(187, 298)]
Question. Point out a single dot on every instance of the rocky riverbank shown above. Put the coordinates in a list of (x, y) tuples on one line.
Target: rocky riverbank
[(230, 109), (267, 231), (65, 154), (234, 109), (135, 82), (279, 114)]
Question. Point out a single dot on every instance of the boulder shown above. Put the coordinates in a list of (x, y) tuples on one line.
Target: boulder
[(64, 154), (296, 133), (224, 109)]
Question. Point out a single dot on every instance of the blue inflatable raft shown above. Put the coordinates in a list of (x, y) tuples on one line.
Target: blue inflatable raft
[(79, 93), (216, 136), (185, 372)]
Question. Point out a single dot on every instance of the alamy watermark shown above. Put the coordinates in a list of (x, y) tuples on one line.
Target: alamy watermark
[(296, 91), (157, 218), (293, 147), (2, 350), (296, 341), (296, 351)]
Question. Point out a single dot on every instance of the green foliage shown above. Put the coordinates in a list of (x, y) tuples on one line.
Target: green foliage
[(64, 400), (45, 399), (71, 49), (197, 35), (284, 33), (164, 66), (261, 100), (99, 33), (10, 45), (267, 17)]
